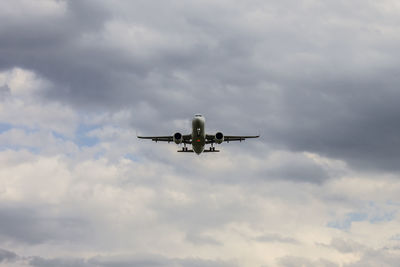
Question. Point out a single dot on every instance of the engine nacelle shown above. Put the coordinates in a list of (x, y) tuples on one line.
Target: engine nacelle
[(178, 138), (219, 138)]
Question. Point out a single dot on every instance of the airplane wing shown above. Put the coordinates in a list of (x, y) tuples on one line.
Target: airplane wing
[(228, 138), (169, 138)]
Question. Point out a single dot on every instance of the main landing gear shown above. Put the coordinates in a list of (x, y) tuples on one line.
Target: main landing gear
[(212, 148), (184, 148)]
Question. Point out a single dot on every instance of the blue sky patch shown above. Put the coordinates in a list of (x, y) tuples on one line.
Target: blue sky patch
[(345, 224), (131, 157), (4, 127), (82, 138), (395, 237), (57, 135), (373, 215)]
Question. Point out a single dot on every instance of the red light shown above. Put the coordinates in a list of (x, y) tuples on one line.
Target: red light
[(198, 140)]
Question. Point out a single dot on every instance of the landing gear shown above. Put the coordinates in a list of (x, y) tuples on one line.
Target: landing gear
[(184, 148), (212, 148)]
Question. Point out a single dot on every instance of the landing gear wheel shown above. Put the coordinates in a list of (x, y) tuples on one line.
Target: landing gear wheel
[(212, 148)]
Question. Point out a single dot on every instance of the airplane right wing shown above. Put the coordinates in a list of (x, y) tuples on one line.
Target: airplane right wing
[(158, 138), (169, 138)]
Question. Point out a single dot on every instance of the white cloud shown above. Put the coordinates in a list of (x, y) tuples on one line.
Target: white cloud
[(149, 206), (24, 107), (23, 9)]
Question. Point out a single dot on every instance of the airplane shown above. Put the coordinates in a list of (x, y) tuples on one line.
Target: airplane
[(198, 138)]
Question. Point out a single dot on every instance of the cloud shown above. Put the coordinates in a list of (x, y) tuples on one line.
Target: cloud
[(372, 258), (110, 261), (289, 261), (317, 77), (346, 246), (319, 81), (22, 106), (276, 238), (6, 256), (31, 225)]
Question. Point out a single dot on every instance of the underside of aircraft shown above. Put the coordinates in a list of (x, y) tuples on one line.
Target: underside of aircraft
[(198, 138)]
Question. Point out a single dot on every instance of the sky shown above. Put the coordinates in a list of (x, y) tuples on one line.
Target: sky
[(319, 80)]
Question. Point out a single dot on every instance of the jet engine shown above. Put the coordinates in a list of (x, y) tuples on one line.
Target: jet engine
[(219, 138), (178, 138)]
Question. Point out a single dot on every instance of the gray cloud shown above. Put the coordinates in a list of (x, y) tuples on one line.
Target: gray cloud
[(345, 246), (298, 169), (199, 239), (152, 260), (42, 262), (123, 261), (290, 261), (276, 238), (4, 92), (311, 77), (372, 257), (368, 256), (34, 225), (6, 255)]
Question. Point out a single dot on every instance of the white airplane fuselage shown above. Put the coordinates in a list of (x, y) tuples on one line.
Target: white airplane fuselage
[(198, 134)]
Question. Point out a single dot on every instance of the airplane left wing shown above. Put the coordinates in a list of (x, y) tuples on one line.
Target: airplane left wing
[(228, 138)]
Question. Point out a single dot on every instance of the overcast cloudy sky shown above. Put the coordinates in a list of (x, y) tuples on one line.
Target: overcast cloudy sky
[(320, 80)]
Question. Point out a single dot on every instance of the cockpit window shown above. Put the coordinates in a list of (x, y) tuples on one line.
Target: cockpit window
[(198, 115)]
